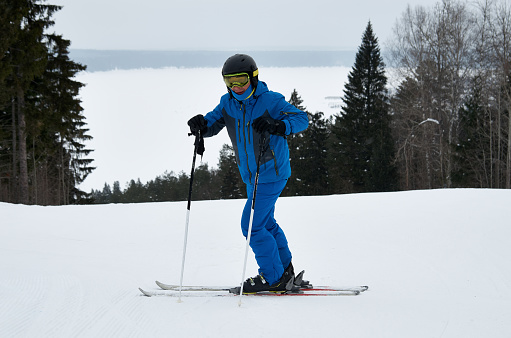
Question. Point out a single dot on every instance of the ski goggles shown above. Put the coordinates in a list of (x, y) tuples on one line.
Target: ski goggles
[(236, 80)]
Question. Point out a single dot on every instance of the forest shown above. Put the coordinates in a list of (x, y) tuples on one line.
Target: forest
[(43, 157)]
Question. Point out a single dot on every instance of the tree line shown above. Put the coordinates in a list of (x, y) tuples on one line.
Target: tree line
[(43, 158), (442, 121)]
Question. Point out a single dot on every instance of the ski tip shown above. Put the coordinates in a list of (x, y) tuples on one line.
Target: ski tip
[(144, 292), (166, 286)]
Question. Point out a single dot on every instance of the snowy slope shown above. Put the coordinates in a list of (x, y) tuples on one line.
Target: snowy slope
[(437, 263)]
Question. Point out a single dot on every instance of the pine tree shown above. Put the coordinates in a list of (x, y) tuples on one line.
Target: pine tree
[(296, 100), (308, 155), (10, 21), (362, 144), (231, 184), (28, 56), (64, 128), (116, 193), (309, 160), (205, 183), (104, 196), (43, 157), (135, 192), (294, 142)]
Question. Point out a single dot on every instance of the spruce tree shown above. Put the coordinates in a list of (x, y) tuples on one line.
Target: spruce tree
[(204, 183), (41, 123), (294, 142), (64, 127), (28, 57), (363, 149), (104, 196), (309, 161), (117, 194), (296, 100), (231, 184), (135, 192), (308, 155)]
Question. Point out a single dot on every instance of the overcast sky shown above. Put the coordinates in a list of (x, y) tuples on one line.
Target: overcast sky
[(226, 24)]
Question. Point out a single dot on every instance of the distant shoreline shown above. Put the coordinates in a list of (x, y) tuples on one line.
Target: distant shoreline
[(105, 60)]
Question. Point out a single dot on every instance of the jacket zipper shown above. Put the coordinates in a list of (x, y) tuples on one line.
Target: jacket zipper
[(248, 131), (239, 131), (275, 161), (245, 144)]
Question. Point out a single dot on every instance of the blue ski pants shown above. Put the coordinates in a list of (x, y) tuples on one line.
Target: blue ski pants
[(268, 241)]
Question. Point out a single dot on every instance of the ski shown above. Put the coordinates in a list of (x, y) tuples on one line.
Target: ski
[(307, 289), (208, 292), (295, 287)]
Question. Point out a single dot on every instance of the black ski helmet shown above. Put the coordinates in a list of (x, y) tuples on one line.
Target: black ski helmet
[(242, 63)]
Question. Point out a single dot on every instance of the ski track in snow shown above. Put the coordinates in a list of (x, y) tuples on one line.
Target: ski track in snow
[(61, 306), (439, 274), (47, 302)]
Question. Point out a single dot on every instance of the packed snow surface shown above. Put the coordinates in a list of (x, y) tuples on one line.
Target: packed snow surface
[(436, 262)]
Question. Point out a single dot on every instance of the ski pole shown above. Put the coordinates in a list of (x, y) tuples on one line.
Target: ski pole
[(251, 219), (198, 148)]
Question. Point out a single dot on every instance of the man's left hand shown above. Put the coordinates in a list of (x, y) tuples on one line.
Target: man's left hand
[(264, 124)]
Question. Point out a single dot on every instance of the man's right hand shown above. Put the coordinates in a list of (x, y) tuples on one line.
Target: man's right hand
[(198, 123)]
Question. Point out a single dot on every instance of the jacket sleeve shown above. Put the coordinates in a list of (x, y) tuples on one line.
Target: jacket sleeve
[(294, 119), (215, 120)]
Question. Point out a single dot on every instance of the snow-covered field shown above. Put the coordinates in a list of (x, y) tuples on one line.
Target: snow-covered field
[(437, 263), (138, 117)]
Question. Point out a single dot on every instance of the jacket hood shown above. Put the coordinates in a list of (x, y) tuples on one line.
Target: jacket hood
[(261, 88)]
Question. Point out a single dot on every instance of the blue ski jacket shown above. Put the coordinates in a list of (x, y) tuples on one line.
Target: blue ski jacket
[(238, 117)]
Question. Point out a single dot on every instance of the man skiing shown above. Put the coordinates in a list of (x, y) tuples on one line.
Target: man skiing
[(254, 117)]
